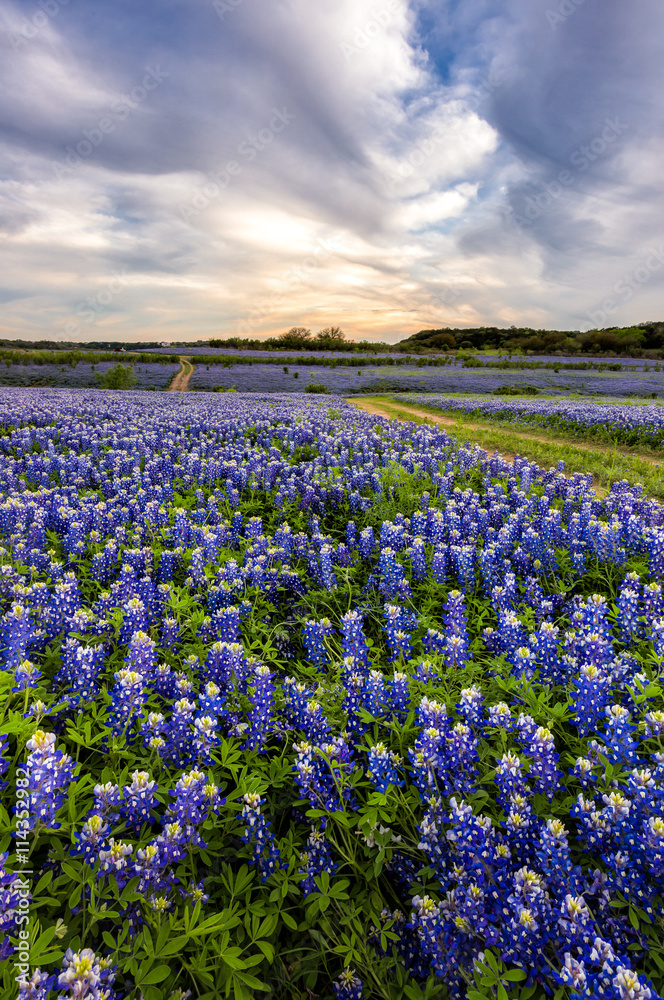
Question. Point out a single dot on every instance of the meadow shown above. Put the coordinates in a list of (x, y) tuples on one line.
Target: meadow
[(301, 701), (605, 421), (82, 375), (376, 378)]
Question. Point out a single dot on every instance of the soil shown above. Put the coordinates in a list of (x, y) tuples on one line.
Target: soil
[(181, 381), (448, 421)]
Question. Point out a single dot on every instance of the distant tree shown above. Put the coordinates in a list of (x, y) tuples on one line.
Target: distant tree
[(116, 378), (296, 333), (331, 333)]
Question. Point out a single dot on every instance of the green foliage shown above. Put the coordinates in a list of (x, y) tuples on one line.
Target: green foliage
[(117, 378), (516, 390)]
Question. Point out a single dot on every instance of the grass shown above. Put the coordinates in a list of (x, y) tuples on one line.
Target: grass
[(604, 464)]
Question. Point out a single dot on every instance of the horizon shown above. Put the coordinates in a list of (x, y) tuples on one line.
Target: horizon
[(240, 167)]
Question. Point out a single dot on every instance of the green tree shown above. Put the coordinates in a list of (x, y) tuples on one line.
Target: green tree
[(331, 333), (117, 378)]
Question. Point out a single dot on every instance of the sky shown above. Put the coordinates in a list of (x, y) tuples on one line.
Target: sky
[(185, 169)]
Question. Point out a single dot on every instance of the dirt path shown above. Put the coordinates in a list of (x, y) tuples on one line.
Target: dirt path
[(181, 381), (448, 421), (379, 411)]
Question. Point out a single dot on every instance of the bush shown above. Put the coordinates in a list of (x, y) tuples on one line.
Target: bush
[(516, 390), (316, 387), (117, 378)]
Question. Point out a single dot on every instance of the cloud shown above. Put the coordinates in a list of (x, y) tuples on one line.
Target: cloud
[(416, 138)]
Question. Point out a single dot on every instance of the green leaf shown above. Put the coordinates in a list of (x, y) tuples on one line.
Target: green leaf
[(514, 975), (288, 920), (156, 975)]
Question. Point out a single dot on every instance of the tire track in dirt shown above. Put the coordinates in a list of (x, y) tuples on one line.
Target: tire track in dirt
[(181, 381)]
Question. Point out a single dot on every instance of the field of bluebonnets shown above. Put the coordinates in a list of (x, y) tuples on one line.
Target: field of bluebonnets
[(83, 375), (381, 378), (610, 422), (305, 702)]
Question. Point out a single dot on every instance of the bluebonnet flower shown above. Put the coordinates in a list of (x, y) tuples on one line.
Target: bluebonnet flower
[(399, 625), (426, 672), (92, 838), (653, 723), (591, 693), (554, 857), (382, 767), (510, 777), (261, 695), (139, 799), (426, 761), (170, 633), (265, 853), (85, 975), (206, 737), (315, 859), (418, 559), (179, 742), (37, 987), (583, 770), (619, 743), (163, 680), (320, 773), (628, 614), (524, 662), (434, 641), (26, 675), (195, 798), (398, 695), (314, 633), (134, 618), (653, 602), (374, 694), (348, 986), (471, 706), (141, 654), (127, 700), (108, 799), (391, 577), (544, 774), (17, 632), (354, 701), (353, 641), (50, 773), (367, 543), (544, 644)]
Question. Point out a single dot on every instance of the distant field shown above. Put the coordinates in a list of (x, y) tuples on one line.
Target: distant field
[(415, 379), (150, 376)]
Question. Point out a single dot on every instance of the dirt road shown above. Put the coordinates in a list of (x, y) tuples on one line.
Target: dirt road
[(377, 410), (448, 421), (181, 381)]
